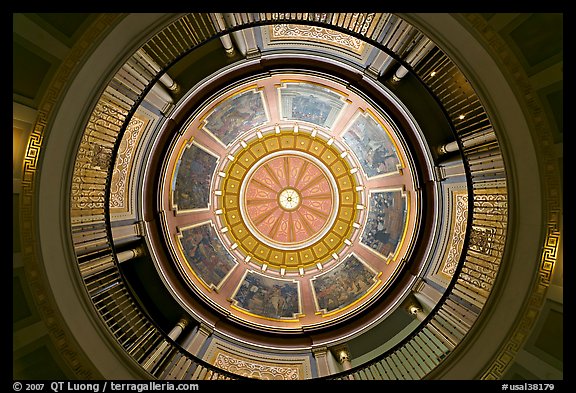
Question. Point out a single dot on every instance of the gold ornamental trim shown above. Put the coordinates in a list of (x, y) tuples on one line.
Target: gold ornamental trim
[(230, 200), (551, 183), (58, 331)]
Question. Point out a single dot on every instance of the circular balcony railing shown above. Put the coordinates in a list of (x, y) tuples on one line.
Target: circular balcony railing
[(438, 334)]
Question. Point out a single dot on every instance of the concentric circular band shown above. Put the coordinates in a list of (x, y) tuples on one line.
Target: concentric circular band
[(248, 220), (312, 223)]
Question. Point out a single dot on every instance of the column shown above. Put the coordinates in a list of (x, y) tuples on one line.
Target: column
[(127, 232), (100, 264), (451, 166), (485, 137), (401, 35), (252, 49), (448, 148), (218, 19), (426, 295), (321, 357), (433, 326), (162, 93), (195, 341), (237, 35), (165, 78), (376, 66), (342, 354), (415, 55), (159, 97), (127, 255), (178, 329), (164, 346), (192, 344)]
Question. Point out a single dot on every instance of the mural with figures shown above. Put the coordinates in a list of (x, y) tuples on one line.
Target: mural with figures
[(236, 115), (193, 175), (206, 255), (310, 102), (385, 223), (268, 297), (343, 285), (372, 145)]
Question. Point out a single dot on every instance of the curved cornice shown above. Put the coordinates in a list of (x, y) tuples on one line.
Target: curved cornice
[(550, 179), (503, 83), (58, 329), (548, 201), (44, 231)]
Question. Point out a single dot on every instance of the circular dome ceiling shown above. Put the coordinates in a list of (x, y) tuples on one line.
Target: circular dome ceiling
[(289, 202)]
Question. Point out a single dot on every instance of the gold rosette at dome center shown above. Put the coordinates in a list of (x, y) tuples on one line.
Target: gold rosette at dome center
[(289, 200)]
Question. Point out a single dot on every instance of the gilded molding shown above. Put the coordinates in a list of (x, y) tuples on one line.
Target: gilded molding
[(552, 208), (363, 22), (257, 365), (58, 331), (280, 32), (251, 369), (458, 231), (120, 189)]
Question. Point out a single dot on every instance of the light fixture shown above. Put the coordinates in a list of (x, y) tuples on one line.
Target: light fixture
[(413, 309), (343, 356)]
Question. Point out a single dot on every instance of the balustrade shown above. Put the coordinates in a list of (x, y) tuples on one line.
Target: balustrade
[(438, 333)]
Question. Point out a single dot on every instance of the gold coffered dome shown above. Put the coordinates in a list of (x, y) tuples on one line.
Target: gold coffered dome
[(293, 206), (289, 201)]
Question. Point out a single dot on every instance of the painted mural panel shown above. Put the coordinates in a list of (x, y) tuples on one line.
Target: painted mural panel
[(343, 285), (206, 255), (372, 145), (268, 297), (385, 223), (236, 115), (191, 189), (310, 102)]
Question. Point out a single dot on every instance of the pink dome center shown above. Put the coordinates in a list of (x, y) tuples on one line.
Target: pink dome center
[(288, 199)]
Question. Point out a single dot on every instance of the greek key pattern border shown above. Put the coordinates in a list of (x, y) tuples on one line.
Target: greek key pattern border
[(32, 258), (552, 202), (31, 255)]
